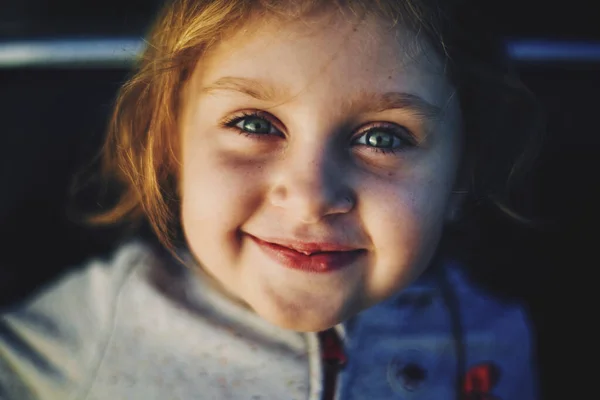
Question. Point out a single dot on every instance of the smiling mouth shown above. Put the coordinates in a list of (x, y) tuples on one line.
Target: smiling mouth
[(310, 257)]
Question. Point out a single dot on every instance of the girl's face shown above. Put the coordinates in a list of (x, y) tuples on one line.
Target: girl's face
[(318, 164)]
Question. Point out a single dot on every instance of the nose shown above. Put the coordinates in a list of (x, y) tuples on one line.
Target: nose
[(312, 185)]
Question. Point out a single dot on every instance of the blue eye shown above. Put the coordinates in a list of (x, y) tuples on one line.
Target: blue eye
[(253, 124), (384, 139)]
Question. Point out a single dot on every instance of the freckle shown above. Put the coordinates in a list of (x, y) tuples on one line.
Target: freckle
[(390, 77)]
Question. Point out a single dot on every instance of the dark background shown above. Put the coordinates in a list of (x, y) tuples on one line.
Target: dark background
[(577, 19), (53, 119)]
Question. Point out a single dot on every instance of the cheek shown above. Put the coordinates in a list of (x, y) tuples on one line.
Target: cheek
[(404, 221), (396, 219), (219, 192)]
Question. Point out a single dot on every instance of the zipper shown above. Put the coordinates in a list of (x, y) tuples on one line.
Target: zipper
[(333, 359)]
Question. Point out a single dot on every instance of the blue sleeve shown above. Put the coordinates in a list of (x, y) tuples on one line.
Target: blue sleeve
[(525, 384), (499, 344), (501, 362)]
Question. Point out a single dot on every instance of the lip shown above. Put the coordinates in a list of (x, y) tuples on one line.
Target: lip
[(316, 257), (309, 247)]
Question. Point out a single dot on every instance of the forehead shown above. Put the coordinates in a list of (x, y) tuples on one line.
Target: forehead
[(329, 52)]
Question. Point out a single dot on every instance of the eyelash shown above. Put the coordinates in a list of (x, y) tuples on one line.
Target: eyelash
[(409, 141)]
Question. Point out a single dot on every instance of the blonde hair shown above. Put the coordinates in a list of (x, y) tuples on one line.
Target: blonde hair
[(140, 153)]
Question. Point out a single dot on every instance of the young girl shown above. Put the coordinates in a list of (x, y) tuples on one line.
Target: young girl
[(301, 161)]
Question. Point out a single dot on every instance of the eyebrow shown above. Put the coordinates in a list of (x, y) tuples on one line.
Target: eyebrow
[(365, 101)]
